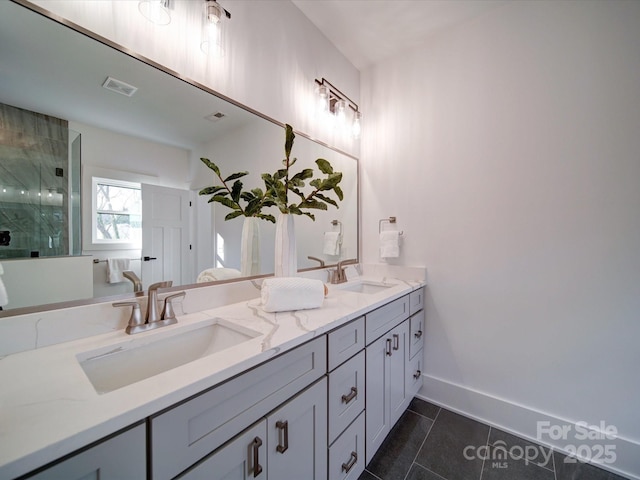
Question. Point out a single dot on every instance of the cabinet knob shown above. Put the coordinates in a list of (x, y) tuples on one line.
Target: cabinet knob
[(352, 461)]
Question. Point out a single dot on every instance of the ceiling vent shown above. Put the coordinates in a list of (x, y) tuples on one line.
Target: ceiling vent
[(119, 86), (214, 117)]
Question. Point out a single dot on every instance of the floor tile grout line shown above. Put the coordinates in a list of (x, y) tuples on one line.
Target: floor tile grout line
[(430, 471), (424, 416), (372, 474), (433, 422), (527, 462), (553, 461), (487, 446)]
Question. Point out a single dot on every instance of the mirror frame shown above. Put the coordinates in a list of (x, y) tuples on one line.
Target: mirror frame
[(136, 56)]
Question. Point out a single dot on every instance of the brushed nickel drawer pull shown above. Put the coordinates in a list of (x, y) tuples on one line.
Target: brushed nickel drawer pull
[(351, 396), (283, 428), (352, 461), (417, 374), (257, 468), (388, 347), (418, 334), (396, 341)]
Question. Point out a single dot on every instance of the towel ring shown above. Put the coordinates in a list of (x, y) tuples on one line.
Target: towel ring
[(339, 223), (389, 220)]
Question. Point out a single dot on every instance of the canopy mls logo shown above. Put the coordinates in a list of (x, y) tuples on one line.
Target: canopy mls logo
[(594, 437), (499, 454)]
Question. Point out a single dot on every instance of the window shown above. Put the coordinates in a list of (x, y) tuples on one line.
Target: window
[(117, 212)]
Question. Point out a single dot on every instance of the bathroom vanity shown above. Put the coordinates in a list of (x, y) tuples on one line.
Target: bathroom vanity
[(286, 400)]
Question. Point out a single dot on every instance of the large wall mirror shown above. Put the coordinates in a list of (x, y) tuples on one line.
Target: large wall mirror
[(140, 169)]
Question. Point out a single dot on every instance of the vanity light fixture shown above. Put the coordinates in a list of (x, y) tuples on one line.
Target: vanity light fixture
[(332, 101), (213, 21), (156, 11)]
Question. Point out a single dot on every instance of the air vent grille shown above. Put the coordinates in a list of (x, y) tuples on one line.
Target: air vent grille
[(119, 86), (214, 117)]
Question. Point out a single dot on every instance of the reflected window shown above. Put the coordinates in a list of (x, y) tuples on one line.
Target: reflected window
[(117, 215)]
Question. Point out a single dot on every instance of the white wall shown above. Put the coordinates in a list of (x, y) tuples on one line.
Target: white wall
[(508, 148)]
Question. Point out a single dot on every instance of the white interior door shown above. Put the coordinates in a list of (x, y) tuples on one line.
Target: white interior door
[(165, 234)]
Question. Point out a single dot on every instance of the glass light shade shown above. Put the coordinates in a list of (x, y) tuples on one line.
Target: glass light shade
[(212, 29), (340, 111), (155, 11), (356, 127), (322, 95)]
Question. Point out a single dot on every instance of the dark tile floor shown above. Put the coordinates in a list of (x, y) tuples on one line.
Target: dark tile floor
[(431, 443)]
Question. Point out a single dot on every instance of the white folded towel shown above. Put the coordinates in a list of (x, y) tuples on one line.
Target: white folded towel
[(214, 274), (280, 294), (389, 244), (115, 267), (4, 299), (331, 244)]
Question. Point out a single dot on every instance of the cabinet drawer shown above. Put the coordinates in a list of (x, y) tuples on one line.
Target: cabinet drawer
[(346, 455), (188, 432), (416, 301), (416, 335), (346, 394), (383, 319), (345, 342), (414, 375), (122, 456)]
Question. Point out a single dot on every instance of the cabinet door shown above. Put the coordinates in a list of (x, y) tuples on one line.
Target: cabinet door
[(398, 392), (346, 455), (243, 458), (378, 412), (297, 436), (346, 395), (122, 456), (416, 337)]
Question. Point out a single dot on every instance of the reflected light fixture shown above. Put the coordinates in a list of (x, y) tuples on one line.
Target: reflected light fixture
[(332, 101), (213, 20), (156, 11)]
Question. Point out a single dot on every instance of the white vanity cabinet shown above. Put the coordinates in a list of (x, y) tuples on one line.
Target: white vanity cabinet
[(121, 456), (393, 364), (185, 434), (289, 443), (346, 365)]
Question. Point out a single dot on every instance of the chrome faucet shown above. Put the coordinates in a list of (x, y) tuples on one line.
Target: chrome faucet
[(338, 275), (153, 319)]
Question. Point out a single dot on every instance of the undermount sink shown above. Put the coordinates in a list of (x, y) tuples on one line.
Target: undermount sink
[(116, 366), (366, 287)]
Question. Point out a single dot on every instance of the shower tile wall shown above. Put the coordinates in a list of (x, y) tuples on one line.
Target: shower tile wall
[(34, 159)]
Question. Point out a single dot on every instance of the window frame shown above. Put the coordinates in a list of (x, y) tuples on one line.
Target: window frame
[(110, 243)]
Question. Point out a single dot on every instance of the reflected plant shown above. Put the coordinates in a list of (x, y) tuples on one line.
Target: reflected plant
[(281, 183), (230, 196)]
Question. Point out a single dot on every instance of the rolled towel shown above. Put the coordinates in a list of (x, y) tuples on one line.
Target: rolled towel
[(389, 244), (331, 244), (214, 274), (281, 294), (115, 267)]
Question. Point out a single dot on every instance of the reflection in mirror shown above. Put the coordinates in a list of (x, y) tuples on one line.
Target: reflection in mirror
[(154, 139)]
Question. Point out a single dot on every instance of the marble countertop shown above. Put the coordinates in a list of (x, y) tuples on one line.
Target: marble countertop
[(49, 408)]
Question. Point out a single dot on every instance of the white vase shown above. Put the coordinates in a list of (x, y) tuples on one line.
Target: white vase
[(286, 263), (250, 247)]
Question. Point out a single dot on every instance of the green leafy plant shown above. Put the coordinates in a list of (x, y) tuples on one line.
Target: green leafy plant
[(254, 200), (282, 182)]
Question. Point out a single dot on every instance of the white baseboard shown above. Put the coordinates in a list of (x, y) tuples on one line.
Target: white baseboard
[(522, 421)]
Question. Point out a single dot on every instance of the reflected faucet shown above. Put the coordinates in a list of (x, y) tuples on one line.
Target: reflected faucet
[(130, 275), (317, 260)]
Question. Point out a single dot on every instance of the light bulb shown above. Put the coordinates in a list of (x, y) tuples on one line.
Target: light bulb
[(322, 96), (212, 29), (340, 111), (356, 127)]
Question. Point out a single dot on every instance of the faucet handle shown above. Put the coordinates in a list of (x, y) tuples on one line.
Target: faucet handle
[(168, 313), (136, 316), (157, 285)]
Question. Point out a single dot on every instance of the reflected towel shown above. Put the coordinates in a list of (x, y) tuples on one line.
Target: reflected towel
[(4, 299), (115, 267), (390, 244), (214, 274), (331, 244), (281, 294)]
